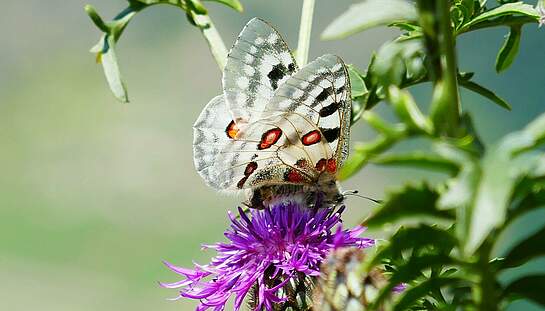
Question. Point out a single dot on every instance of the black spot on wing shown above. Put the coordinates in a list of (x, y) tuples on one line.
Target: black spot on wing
[(324, 94), (291, 68), (329, 109), (278, 72), (330, 134)]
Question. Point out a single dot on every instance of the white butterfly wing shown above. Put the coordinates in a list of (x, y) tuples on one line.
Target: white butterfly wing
[(210, 138), (259, 62), (302, 132), (319, 92)]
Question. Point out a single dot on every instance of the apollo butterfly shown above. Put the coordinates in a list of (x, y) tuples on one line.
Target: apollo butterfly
[(276, 129)]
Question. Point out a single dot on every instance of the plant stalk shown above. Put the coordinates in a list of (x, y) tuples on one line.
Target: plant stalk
[(445, 110), (484, 292), (440, 44), (213, 38), (304, 32)]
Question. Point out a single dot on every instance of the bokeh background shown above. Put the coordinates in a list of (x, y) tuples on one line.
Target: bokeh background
[(95, 193)]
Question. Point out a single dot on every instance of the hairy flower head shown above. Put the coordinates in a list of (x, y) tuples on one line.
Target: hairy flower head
[(267, 250)]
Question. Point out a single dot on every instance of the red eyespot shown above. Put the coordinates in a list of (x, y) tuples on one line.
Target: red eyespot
[(301, 163), (231, 130), (311, 138), (241, 182), (320, 166), (250, 168), (331, 166), (269, 138), (293, 176)]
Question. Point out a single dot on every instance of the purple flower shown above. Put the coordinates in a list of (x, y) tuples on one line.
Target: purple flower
[(266, 250)]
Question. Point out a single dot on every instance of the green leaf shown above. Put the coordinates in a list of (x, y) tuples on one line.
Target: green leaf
[(368, 14), (413, 294), (528, 249), (105, 48), (418, 159), (390, 65), (358, 109), (197, 7), (353, 164), (472, 86), (356, 82), (107, 57), (460, 193), (411, 270), (470, 140), (501, 170), (409, 203), (359, 93), (416, 239), (95, 17), (408, 111), (537, 130), (493, 193), (235, 4), (153, 2), (509, 50), (518, 8), (530, 287), (391, 131), (361, 156)]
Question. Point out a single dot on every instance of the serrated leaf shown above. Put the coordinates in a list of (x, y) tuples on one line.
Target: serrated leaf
[(234, 4), (479, 89), (508, 52), (414, 238), (411, 270), (411, 202), (411, 296), (518, 8), (368, 14), (418, 159), (530, 287)]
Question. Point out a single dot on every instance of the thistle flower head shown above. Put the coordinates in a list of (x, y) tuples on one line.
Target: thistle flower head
[(267, 250)]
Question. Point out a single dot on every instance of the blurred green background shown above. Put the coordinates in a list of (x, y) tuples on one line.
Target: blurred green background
[(94, 193)]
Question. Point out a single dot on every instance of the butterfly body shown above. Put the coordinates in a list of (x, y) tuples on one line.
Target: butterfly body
[(276, 130), (324, 191)]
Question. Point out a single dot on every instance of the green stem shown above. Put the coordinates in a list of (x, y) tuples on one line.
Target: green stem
[(485, 291), (304, 32), (213, 38), (440, 44)]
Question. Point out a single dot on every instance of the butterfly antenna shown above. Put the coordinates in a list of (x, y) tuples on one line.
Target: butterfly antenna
[(355, 193)]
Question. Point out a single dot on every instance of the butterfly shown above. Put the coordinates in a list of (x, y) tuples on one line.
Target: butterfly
[(276, 129)]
